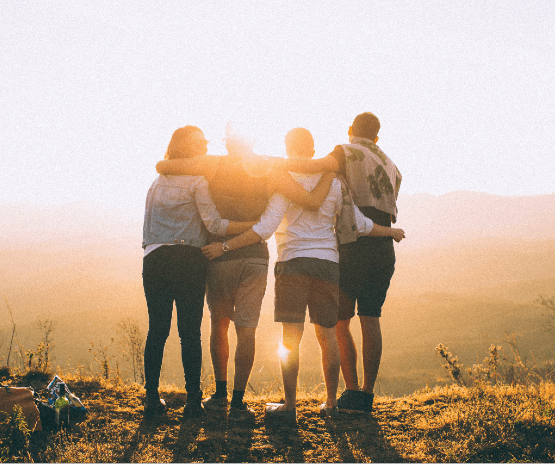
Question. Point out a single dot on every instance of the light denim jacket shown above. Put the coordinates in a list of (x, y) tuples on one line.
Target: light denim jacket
[(177, 210)]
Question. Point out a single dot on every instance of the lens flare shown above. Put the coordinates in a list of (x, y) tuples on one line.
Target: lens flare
[(283, 352)]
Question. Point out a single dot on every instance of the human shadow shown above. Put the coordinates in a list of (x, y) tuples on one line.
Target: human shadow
[(214, 438), (238, 440), (285, 438), (150, 425), (361, 438), (147, 427), (185, 448)]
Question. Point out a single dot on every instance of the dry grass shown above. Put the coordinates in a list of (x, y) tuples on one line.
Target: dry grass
[(448, 424)]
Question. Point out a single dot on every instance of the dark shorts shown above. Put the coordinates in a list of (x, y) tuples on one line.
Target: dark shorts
[(365, 275), (302, 282)]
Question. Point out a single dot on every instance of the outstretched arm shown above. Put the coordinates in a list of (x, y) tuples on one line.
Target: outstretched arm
[(367, 227), (308, 166), (235, 227), (262, 230), (204, 165), (383, 231), (210, 216), (282, 182), (215, 250)]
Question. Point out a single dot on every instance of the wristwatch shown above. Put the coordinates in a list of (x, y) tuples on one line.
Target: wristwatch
[(225, 247)]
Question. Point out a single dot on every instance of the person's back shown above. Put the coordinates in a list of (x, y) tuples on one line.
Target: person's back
[(178, 213), (238, 195), (241, 197), (310, 234), (176, 207), (367, 265)]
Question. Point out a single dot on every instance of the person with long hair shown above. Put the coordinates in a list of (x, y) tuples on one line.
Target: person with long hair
[(241, 184), (179, 214)]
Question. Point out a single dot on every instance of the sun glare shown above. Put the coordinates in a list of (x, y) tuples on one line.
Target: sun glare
[(283, 352)]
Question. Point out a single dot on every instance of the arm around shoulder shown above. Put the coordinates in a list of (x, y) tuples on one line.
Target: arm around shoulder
[(198, 166), (283, 183), (310, 166)]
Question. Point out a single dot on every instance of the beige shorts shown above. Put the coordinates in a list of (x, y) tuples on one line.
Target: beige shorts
[(235, 289)]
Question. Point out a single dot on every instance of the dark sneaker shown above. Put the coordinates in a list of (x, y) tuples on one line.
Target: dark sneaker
[(368, 401), (215, 404), (273, 413), (328, 412), (154, 407), (244, 413), (352, 401), (192, 410)]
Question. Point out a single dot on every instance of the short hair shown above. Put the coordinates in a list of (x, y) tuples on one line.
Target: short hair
[(366, 125), (300, 142), (175, 149)]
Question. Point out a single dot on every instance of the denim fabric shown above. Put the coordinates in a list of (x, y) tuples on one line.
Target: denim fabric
[(179, 210)]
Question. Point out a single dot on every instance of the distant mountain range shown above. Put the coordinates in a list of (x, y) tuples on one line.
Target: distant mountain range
[(470, 268), (429, 219), (65, 247)]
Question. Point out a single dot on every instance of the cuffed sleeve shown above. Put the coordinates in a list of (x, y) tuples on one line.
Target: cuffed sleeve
[(364, 224), (208, 211), (272, 216)]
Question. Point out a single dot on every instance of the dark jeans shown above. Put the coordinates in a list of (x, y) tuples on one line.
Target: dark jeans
[(174, 273)]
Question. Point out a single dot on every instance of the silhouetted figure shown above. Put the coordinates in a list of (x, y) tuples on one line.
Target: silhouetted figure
[(241, 184), (178, 213), (367, 264), (307, 272)]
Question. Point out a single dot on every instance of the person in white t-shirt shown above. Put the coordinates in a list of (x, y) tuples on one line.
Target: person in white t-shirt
[(306, 272)]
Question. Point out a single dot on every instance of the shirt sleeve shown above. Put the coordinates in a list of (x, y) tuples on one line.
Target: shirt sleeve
[(339, 154), (208, 211), (271, 217), (337, 193), (364, 224)]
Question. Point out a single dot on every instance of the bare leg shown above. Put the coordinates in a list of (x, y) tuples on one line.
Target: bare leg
[(244, 356), (219, 347), (371, 350), (330, 361), (348, 353), (292, 335)]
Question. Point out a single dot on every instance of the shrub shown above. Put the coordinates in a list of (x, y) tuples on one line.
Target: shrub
[(14, 434)]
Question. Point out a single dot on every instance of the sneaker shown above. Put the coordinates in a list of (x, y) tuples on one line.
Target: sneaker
[(241, 414), (154, 407), (192, 410), (368, 401), (352, 401), (328, 412), (273, 413), (215, 404)]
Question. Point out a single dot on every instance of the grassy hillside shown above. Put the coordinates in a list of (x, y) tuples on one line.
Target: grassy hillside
[(467, 275), (445, 424)]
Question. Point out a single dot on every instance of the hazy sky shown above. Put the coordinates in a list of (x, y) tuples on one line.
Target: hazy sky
[(92, 91)]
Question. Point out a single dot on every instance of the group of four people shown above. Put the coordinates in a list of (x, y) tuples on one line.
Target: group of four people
[(206, 222)]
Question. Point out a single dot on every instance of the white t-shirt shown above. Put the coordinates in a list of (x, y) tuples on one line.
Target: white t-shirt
[(303, 233)]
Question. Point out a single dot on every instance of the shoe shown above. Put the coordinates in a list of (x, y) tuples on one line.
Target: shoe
[(215, 404), (273, 413), (154, 407), (192, 410), (368, 401), (328, 412), (353, 401), (241, 414)]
